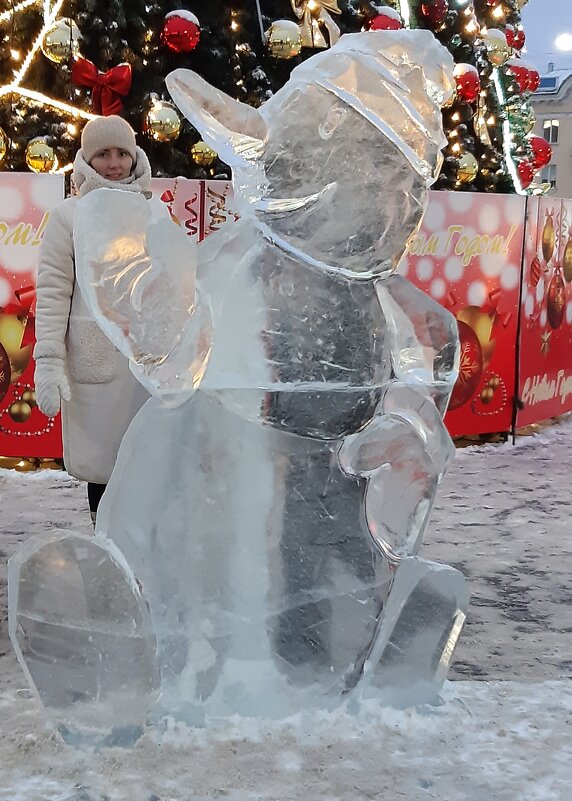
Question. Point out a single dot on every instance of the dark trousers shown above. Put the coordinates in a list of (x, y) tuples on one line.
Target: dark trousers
[(94, 493)]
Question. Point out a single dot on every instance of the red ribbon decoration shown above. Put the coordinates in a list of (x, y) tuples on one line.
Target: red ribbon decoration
[(491, 307), (106, 87)]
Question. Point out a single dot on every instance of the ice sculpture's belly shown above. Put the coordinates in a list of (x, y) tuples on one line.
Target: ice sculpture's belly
[(264, 585)]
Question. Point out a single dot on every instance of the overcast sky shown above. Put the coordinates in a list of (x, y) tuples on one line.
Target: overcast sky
[(543, 20)]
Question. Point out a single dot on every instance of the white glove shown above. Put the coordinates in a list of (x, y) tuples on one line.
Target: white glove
[(52, 385)]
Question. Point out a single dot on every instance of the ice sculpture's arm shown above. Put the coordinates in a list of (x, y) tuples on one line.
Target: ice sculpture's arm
[(55, 285), (424, 341)]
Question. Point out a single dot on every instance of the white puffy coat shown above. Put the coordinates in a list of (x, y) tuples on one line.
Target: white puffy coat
[(105, 396)]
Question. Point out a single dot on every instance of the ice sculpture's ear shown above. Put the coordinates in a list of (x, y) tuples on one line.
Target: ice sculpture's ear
[(236, 131)]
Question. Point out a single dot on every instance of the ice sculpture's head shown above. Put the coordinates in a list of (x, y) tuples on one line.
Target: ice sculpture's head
[(338, 162)]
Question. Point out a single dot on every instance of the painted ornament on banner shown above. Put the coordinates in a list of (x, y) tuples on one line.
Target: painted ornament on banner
[(467, 256)]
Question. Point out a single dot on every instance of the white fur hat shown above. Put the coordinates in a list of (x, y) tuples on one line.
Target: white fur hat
[(104, 132)]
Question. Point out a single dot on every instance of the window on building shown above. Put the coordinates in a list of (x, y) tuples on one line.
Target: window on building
[(548, 175), (550, 130)]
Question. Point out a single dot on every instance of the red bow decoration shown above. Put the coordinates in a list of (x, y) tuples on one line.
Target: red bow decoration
[(107, 87)]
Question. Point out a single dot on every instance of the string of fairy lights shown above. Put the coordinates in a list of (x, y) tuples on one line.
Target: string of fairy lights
[(492, 94)]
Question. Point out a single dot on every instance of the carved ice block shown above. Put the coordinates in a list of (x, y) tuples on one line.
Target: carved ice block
[(422, 621), (82, 634)]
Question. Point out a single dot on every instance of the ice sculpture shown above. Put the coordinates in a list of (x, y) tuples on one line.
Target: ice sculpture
[(83, 635), (271, 498)]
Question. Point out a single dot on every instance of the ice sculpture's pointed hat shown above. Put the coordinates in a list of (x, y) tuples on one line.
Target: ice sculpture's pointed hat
[(398, 80), (361, 121)]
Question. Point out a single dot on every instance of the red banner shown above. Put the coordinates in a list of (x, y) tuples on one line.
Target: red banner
[(468, 256), (200, 207), (545, 374), (25, 203)]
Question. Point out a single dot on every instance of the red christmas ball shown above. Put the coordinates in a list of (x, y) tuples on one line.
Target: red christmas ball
[(533, 80), (468, 82), (521, 73), (181, 31), (435, 11), (470, 367), (525, 171), (5, 372), (519, 39), (510, 33), (541, 152), (388, 20)]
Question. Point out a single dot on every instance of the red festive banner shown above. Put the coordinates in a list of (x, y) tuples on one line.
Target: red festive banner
[(467, 256), (545, 375), (200, 207), (25, 203)]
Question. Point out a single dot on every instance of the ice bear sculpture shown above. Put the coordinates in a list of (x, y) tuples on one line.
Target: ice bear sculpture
[(257, 542)]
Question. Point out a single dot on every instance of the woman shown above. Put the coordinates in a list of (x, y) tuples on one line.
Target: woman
[(75, 362)]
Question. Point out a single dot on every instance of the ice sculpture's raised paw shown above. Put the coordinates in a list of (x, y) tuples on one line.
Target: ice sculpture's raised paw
[(401, 482), (82, 633), (140, 282)]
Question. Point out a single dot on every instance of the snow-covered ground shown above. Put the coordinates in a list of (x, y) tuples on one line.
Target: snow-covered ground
[(503, 733)]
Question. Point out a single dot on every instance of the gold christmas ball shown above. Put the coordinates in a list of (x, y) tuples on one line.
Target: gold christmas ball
[(556, 301), (494, 382), (567, 261), (11, 335), (3, 144), (40, 156), (467, 168), (162, 122), (284, 39), (482, 324), (19, 411), (202, 154), (548, 239), (498, 49), (29, 396), (61, 41), (487, 394)]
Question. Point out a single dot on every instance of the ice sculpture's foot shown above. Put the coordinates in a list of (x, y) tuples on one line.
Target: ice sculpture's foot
[(82, 633), (421, 624)]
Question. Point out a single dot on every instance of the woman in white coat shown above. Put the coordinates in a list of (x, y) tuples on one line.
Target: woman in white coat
[(76, 365)]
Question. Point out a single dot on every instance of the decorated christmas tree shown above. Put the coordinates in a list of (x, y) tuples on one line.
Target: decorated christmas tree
[(63, 61)]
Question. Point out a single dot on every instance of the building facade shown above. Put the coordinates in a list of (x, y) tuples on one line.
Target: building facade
[(553, 108)]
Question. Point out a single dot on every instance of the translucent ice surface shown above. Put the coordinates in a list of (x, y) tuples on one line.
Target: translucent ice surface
[(269, 502), (317, 160), (82, 634), (421, 626), (140, 281)]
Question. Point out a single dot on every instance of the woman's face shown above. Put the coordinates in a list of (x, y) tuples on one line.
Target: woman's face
[(112, 163)]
